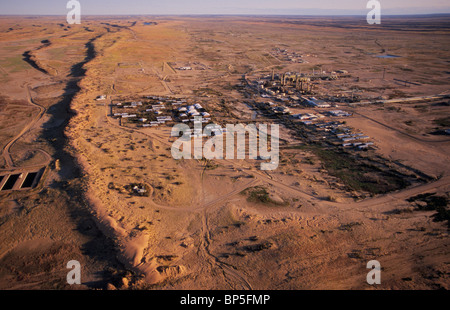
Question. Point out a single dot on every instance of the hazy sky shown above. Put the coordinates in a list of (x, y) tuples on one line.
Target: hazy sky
[(294, 7)]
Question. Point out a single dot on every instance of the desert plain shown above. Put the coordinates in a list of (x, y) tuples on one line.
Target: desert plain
[(106, 191)]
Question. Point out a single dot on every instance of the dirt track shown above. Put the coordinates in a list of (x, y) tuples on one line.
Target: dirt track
[(6, 149)]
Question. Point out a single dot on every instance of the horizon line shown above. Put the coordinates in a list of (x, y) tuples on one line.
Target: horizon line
[(232, 14)]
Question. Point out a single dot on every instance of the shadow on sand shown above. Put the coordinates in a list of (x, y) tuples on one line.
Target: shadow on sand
[(99, 248)]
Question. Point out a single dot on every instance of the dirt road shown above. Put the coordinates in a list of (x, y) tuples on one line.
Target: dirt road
[(7, 148)]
